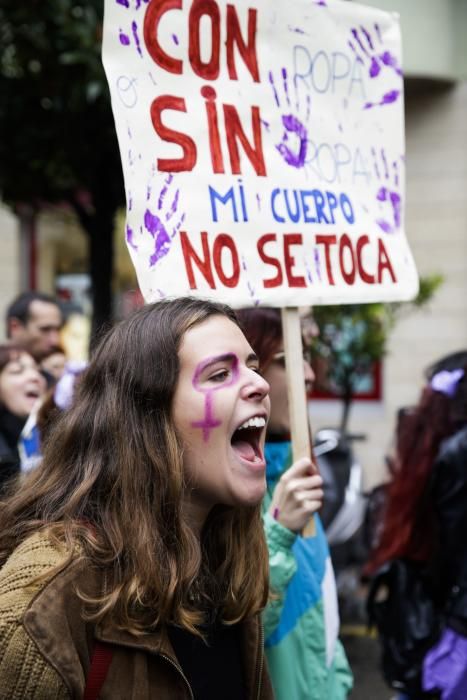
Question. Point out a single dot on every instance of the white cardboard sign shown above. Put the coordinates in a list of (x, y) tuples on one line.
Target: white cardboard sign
[(262, 146)]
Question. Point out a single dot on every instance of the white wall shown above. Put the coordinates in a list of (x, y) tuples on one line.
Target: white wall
[(433, 36)]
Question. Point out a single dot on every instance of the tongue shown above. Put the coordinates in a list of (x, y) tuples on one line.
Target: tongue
[(245, 450)]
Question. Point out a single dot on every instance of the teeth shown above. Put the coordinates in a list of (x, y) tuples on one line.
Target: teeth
[(255, 422)]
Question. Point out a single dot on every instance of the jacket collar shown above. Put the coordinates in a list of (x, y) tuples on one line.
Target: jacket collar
[(158, 642), (54, 621)]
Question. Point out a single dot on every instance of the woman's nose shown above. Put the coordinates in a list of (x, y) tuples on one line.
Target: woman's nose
[(257, 386), (35, 376)]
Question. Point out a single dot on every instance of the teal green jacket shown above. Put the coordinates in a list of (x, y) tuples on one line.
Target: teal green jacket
[(305, 657)]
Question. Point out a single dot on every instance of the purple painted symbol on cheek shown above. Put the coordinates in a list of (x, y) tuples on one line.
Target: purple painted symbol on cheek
[(209, 421)]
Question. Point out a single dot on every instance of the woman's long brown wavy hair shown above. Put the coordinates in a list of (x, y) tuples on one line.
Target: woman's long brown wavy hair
[(111, 486)]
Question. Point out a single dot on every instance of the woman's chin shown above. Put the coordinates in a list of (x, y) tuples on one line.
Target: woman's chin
[(251, 496), (21, 412)]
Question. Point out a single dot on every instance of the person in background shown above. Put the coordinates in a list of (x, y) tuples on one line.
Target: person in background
[(425, 514), (54, 362), (37, 427), (306, 659), (33, 321), (21, 387), (134, 555), (57, 399)]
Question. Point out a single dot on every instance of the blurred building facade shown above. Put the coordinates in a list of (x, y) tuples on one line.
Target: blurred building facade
[(50, 253)]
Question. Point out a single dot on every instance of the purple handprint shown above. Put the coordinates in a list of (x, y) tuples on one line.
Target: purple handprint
[(368, 49), (394, 198), (157, 223), (292, 125), (388, 194), (294, 145)]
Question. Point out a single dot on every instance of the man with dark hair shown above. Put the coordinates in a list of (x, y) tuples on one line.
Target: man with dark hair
[(34, 320)]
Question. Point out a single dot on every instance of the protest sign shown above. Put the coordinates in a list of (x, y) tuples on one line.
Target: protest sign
[(263, 149)]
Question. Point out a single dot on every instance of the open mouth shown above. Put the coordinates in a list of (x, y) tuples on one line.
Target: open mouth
[(32, 394), (246, 440)]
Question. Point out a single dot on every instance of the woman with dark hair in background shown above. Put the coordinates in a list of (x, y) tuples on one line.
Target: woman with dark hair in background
[(21, 386), (425, 517), (134, 557), (306, 659), (37, 428)]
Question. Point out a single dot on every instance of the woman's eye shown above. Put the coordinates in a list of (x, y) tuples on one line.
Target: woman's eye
[(219, 376)]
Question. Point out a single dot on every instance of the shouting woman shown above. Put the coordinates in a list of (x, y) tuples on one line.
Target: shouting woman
[(134, 561)]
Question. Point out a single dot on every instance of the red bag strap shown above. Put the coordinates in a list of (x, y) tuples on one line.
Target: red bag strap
[(100, 662)]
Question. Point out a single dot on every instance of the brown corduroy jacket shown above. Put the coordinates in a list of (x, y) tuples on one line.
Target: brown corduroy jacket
[(46, 646)]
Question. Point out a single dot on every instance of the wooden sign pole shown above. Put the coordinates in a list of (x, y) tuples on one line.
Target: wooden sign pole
[(292, 336)]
